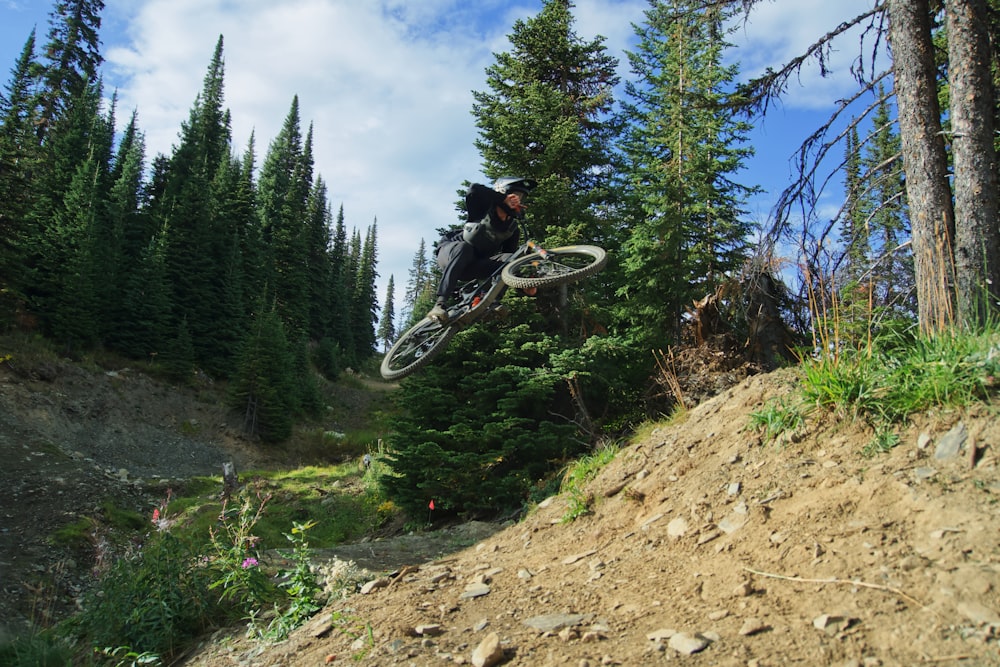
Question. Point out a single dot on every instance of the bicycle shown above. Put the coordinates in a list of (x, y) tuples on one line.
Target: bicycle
[(530, 266)]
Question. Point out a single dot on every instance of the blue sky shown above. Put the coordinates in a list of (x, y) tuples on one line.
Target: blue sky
[(387, 85)]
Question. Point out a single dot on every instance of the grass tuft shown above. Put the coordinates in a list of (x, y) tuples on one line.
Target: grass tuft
[(578, 474)]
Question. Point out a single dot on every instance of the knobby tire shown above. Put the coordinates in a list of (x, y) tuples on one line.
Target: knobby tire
[(557, 266), (415, 348)]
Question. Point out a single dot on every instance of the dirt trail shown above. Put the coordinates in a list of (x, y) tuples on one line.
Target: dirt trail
[(706, 546), (709, 546)]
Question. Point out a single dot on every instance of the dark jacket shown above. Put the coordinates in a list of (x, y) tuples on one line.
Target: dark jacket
[(484, 230)]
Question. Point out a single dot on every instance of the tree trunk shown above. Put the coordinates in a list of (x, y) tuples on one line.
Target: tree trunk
[(977, 234), (924, 161)]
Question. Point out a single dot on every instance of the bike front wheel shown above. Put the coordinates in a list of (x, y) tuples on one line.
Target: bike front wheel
[(415, 348), (555, 266)]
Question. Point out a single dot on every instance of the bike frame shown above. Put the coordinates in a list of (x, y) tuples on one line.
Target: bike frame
[(467, 309)]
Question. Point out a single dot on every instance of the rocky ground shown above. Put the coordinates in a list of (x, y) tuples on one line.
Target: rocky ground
[(706, 546), (75, 440)]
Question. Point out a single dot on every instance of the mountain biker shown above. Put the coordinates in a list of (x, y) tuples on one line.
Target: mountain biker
[(487, 238)]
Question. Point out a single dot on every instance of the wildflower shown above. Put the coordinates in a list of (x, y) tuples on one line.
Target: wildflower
[(249, 562), (156, 515)]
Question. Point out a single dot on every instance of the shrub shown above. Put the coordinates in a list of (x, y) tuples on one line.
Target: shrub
[(151, 601)]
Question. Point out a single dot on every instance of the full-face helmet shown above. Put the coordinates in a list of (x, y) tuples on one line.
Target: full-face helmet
[(507, 184)]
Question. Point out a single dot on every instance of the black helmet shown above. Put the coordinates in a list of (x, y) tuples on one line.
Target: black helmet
[(507, 184)]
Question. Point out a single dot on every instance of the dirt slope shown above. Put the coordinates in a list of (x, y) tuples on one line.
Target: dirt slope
[(707, 547), (73, 440)]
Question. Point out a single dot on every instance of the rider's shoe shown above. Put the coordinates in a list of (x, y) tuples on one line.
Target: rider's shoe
[(438, 314)]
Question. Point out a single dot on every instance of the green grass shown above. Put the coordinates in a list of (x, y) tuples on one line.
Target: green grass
[(777, 418), (578, 474), (884, 385), (202, 560), (301, 495), (888, 385), (36, 649)]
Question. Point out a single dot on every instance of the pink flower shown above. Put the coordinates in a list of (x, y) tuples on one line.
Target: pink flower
[(156, 515), (249, 562)]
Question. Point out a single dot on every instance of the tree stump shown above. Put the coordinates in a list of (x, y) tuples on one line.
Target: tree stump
[(230, 480)]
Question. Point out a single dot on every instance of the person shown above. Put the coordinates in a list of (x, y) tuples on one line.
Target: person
[(487, 238)]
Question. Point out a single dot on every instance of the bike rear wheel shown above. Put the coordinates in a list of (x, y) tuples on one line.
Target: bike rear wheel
[(556, 266), (415, 348)]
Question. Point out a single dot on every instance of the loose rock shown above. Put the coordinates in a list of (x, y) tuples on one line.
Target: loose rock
[(488, 653)]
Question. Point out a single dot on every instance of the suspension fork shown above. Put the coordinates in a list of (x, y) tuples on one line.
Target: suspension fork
[(542, 252)]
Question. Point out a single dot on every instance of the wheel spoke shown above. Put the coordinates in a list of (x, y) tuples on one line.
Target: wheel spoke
[(415, 348)]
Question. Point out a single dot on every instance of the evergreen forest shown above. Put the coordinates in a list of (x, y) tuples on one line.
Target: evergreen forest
[(213, 260)]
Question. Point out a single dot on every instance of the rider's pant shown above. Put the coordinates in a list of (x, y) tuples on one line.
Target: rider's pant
[(458, 261)]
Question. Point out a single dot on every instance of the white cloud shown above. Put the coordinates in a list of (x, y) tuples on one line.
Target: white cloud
[(387, 86)]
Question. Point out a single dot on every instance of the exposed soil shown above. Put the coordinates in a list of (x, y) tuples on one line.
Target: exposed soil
[(709, 547), (73, 441), (705, 545)]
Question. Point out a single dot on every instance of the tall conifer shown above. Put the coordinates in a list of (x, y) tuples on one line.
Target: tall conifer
[(319, 269), (887, 215), (283, 191), (365, 300), (683, 151), (19, 158), (420, 287), (386, 324), (196, 244), (547, 115), (464, 438), (340, 340), (72, 54)]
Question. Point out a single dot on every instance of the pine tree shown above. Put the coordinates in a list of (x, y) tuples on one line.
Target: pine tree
[(319, 269), (72, 56), (887, 216), (114, 201), (307, 398), (72, 136), (283, 192), (854, 236), (420, 284), (64, 268), (364, 310), (178, 359), (386, 325), (244, 223), (233, 217), (146, 304), (463, 438), (340, 341), (547, 115), (853, 275), (876, 273), (19, 155), (262, 387), (71, 308), (683, 150), (196, 243), (477, 437)]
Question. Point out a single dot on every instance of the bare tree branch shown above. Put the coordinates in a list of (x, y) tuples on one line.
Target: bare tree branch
[(758, 94), (811, 153)]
